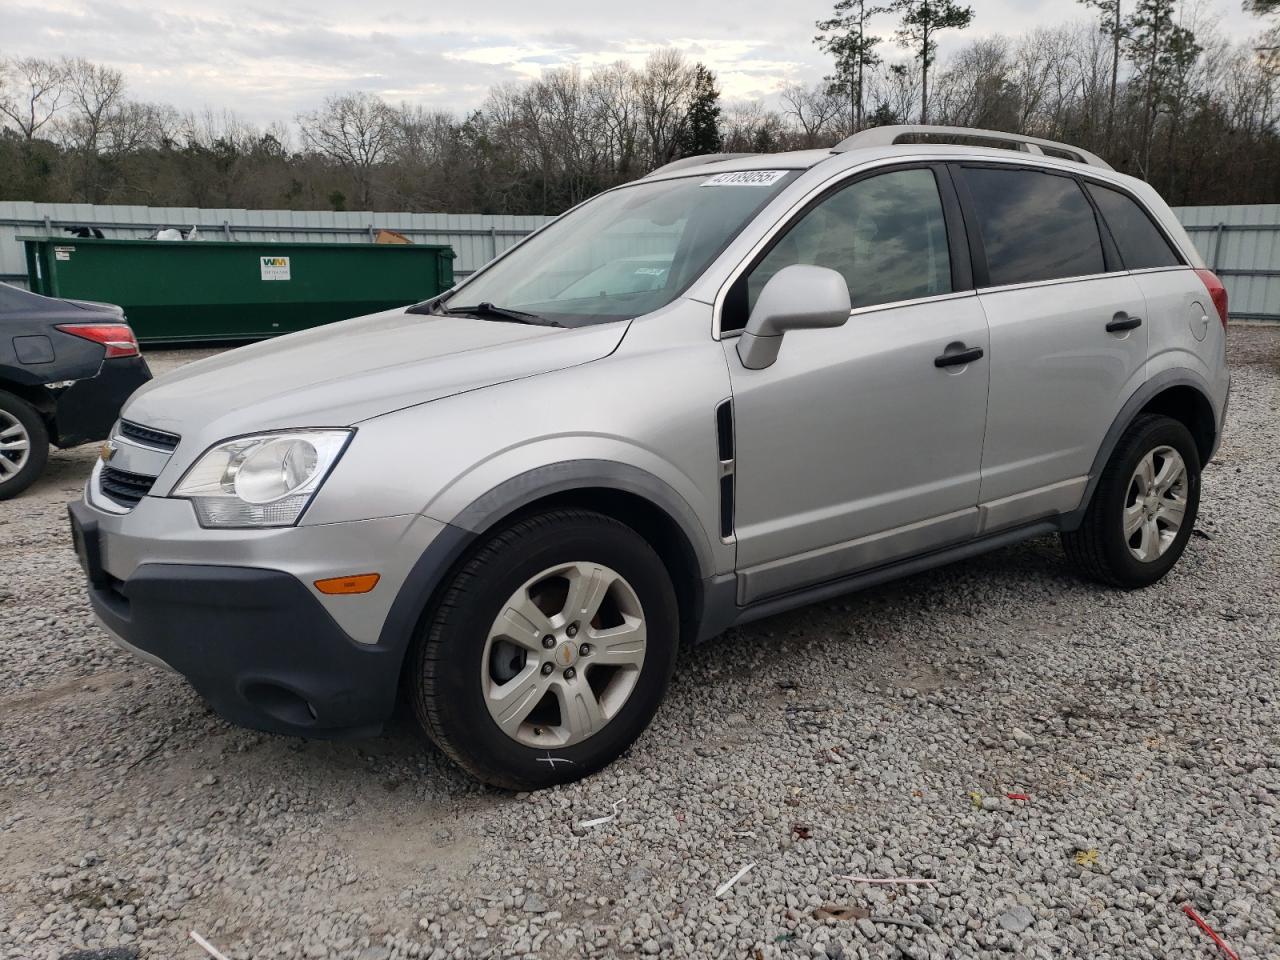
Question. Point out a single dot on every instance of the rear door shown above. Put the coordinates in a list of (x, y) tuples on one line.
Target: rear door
[(1068, 337), (1183, 325)]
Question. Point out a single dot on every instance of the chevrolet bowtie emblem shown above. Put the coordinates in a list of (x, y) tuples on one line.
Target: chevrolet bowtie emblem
[(108, 451)]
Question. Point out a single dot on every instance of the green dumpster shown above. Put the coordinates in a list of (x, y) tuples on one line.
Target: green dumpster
[(175, 291)]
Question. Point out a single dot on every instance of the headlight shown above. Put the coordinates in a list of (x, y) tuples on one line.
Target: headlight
[(265, 480)]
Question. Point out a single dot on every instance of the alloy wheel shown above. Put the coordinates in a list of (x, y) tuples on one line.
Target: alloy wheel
[(15, 446), (1155, 504), (563, 655)]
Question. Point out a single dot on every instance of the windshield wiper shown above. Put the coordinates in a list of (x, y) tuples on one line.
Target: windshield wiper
[(487, 309)]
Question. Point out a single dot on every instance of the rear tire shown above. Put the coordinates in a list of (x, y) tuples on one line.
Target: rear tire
[(1144, 508), (24, 445), (498, 676)]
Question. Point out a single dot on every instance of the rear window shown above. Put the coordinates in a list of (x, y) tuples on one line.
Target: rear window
[(1141, 243), (1035, 226)]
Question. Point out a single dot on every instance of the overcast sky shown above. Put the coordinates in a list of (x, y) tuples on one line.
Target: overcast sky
[(268, 60)]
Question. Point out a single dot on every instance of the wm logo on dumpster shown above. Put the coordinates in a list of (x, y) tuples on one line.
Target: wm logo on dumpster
[(274, 268)]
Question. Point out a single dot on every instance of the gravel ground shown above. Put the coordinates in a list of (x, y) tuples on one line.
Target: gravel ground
[(875, 735)]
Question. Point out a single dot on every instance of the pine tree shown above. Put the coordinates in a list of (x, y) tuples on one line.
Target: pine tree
[(844, 36), (1160, 51), (1269, 49), (1112, 24), (700, 133), (921, 21)]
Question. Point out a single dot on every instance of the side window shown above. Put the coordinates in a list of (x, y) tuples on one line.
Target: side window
[(1035, 226), (1140, 241), (886, 235)]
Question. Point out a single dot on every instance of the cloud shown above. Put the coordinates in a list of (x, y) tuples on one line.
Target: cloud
[(270, 61)]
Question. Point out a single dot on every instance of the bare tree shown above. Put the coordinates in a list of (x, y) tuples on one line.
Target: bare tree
[(976, 88), (895, 92), (614, 92), (95, 92), (95, 95), (753, 128), (664, 87), (425, 146), (32, 90), (354, 130), (814, 109)]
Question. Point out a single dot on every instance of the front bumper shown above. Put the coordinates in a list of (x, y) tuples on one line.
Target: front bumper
[(235, 612)]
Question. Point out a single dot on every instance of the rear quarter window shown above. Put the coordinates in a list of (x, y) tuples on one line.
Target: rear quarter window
[(1035, 226), (1141, 243)]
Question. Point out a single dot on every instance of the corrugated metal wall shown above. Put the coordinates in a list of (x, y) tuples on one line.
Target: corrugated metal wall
[(1242, 243), (475, 238)]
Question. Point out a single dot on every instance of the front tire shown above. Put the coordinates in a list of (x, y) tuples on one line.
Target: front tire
[(24, 445), (1144, 508), (549, 651)]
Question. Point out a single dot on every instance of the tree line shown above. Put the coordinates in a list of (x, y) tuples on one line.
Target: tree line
[(1147, 84)]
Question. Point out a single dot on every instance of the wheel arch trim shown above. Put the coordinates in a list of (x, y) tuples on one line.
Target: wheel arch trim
[(564, 477), (431, 569), (1148, 391)]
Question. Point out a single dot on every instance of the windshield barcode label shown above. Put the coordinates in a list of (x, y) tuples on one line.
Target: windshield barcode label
[(745, 178)]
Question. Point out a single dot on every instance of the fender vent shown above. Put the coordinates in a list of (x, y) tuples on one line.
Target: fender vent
[(724, 445), (724, 430), (726, 506)]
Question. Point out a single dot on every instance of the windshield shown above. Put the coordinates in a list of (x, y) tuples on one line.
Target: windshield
[(626, 252)]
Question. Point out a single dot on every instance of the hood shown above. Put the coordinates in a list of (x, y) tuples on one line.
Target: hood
[(342, 373)]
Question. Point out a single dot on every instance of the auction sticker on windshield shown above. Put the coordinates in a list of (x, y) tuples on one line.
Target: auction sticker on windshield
[(745, 178)]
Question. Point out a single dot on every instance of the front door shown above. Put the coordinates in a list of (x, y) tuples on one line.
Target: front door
[(856, 448)]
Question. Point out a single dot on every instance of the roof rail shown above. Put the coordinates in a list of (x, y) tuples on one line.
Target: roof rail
[(697, 161), (890, 135)]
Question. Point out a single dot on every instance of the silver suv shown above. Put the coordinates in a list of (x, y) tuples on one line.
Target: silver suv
[(737, 385)]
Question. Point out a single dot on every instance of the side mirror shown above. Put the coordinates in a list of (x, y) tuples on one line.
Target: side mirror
[(798, 297)]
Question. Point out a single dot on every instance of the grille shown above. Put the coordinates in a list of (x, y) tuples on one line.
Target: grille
[(149, 436), (122, 487)]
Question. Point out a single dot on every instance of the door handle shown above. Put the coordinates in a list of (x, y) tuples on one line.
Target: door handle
[(959, 357), (1121, 323)]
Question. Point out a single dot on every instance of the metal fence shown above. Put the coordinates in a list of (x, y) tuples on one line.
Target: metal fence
[(475, 238), (1240, 243)]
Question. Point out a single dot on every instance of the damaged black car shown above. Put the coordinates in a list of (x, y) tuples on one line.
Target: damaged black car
[(66, 368)]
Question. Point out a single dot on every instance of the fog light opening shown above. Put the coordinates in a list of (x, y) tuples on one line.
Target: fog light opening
[(284, 705)]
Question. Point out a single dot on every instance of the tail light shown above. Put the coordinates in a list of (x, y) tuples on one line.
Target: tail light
[(1217, 292), (118, 338)]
